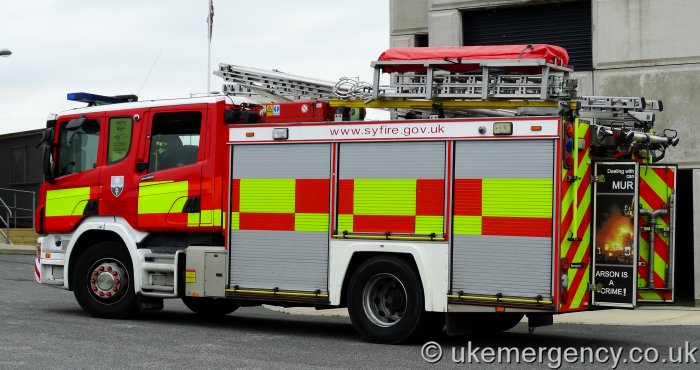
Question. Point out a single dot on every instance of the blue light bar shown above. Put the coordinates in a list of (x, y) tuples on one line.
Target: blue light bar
[(94, 99)]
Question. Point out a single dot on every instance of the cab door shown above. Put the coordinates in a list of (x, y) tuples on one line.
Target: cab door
[(119, 177), (79, 156), (169, 188)]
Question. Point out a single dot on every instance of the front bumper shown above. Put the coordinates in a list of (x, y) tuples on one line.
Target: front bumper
[(49, 271)]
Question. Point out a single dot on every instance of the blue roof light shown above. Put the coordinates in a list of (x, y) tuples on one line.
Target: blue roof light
[(94, 99)]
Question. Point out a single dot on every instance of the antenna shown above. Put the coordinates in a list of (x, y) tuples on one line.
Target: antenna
[(149, 73)]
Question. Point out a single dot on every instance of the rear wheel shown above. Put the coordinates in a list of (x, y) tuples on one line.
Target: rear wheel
[(210, 306), (102, 281), (385, 301)]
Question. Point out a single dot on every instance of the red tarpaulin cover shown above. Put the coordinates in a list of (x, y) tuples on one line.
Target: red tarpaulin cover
[(551, 53)]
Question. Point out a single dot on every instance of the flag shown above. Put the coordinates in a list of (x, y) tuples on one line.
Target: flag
[(210, 18)]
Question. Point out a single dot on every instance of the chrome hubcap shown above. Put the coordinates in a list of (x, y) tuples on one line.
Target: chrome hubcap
[(384, 299), (108, 280)]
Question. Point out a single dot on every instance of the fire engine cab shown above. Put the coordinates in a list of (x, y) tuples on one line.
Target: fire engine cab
[(494, 192)]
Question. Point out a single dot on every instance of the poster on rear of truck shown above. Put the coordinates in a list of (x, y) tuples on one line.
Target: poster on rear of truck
[(614, 234)]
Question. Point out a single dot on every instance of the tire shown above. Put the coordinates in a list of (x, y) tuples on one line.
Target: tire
[(102, 281), (496, 323), (210, 306), (385, 301)]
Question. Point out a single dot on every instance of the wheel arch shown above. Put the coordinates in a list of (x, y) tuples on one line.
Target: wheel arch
[(103, 228), (83, 243), (430, 259)]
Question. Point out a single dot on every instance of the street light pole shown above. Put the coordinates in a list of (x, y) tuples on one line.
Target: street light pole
[(5, 53)]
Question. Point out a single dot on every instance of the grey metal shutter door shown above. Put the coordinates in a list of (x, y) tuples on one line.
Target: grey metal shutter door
[(566, 24), (287, 260), (390, 172), (397, 160), (514, 266)]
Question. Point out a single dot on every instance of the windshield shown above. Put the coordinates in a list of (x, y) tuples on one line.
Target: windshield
[(78, 147)]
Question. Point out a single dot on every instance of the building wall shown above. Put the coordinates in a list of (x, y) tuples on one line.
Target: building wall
[(649, 48), (643, 48), (25, 177), (640, 48)]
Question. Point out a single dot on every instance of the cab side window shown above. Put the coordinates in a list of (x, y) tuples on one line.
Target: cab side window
[(78, 146), (174, 140), (119, 139)]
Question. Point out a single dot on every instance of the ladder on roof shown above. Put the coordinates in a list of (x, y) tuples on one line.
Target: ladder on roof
[(275, 85), (491, 80), (492, 85), (635, 112)]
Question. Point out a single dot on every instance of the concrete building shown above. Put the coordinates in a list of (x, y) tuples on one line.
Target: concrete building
[(643, 48)]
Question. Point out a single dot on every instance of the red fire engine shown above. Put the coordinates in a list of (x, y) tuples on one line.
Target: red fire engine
[(473, 206)]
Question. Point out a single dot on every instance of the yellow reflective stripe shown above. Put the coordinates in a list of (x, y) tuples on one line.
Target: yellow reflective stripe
[(567, 202), (267, 195), (207, 217), (345, 223), (585, 163), (429, 225), (210, 217), (311, 222), (162, 197), (660, 266), (276, 292), (641, 281), (577, 297), (517, 198), (656, 183), (467, 225), (499, 299), (66, 202), (193, 219), (216, 217), (235, 221), (650, 295), (386, 197)]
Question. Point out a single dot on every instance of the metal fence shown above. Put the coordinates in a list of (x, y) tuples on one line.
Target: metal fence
[(19, 206)]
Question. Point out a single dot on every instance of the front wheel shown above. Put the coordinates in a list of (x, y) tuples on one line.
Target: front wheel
[(385, 301), (102, 281)]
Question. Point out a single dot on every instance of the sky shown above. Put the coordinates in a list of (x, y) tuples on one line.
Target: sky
[(158, 48)]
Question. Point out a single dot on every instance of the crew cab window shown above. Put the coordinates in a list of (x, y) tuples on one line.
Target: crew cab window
[(119, 139), (174, 140), (78, 141)]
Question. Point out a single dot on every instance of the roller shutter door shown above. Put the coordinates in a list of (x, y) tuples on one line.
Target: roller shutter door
[(392, 187), (280, 216), (502, 223), (566, 24)]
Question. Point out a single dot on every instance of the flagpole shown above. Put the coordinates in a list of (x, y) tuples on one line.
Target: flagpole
[(210, 23), (208, 67)]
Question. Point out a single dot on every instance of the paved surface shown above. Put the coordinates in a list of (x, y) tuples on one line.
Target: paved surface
[(42, 327), (17, 249), (647, 316)]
